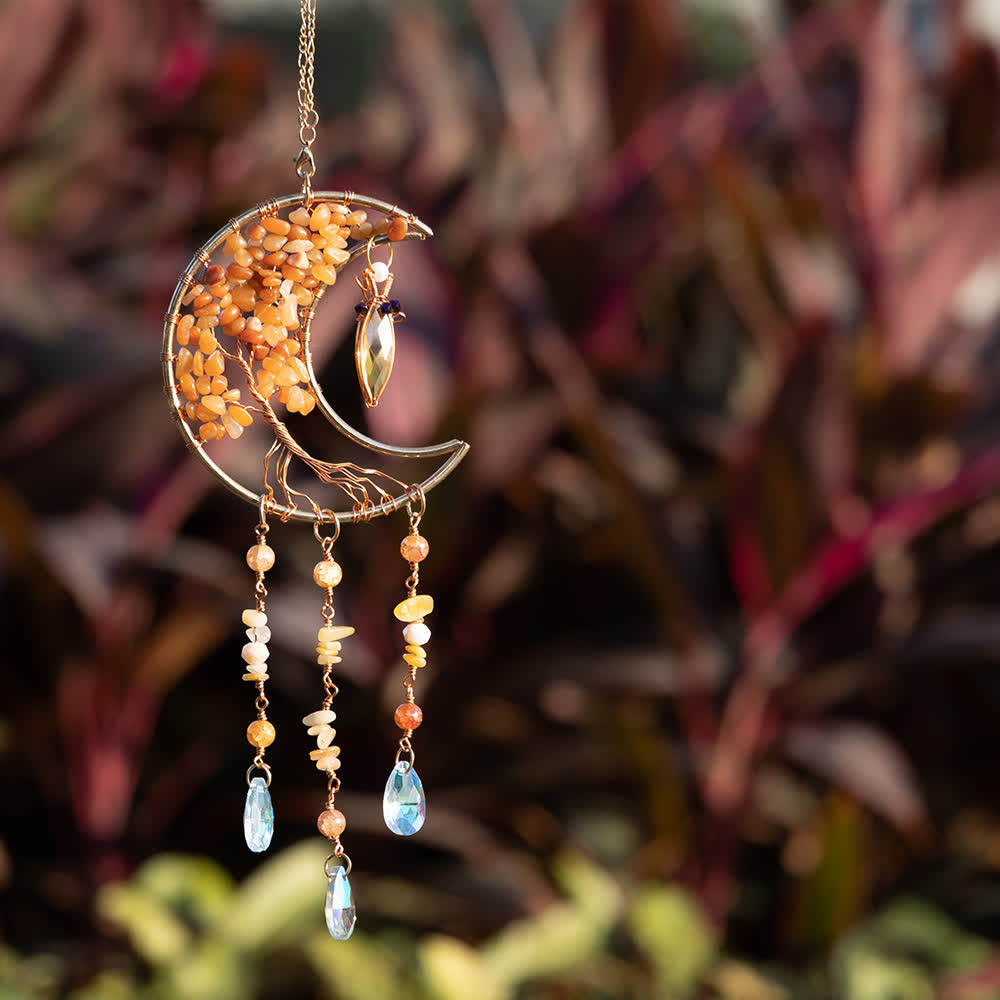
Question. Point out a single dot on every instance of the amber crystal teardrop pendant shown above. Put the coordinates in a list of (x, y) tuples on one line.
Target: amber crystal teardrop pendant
[(375, 337)]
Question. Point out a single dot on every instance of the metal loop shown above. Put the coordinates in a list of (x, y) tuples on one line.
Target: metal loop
[(370, 247), (328, 539), (262, 506), (405, 747), (259, 767), (339, 855), (415, 493)]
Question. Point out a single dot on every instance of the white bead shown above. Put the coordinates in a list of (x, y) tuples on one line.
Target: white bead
[(380, 271), (260, 634), (316, 730), (325, 737), (416, 633), (327, 764), (323, 716), (255, 652), (255, 668), (253, 618)]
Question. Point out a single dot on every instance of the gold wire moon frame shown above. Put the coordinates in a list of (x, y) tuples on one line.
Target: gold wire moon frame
[(455, 449)]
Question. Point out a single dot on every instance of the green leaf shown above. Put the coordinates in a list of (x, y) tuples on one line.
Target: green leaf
[(197, 887), (280, 901), (153, 930), (454, 971), (869, 976), (670, 929), (358, 969), (564, 935)]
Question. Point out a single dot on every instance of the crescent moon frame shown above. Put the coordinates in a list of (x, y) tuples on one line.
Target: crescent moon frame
[(453, 451)]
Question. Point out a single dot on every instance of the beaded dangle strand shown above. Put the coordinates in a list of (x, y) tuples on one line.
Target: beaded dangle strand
[(404, 804), (340, 911), (258, 813)]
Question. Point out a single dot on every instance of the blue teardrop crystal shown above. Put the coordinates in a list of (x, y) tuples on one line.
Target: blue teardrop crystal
[(258, 816), (340, 915), (404, 804)]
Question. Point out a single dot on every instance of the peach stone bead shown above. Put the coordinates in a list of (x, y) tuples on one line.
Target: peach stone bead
[(187, 386), (214, 403), (408, 716), (414, 548), (325, 273), (275, 225), (327, 573), (241, 416), (414, 608), (397, 229), (331, 633), (300, 217), (214, 274), (320, 218), (260, 733), (260, 558), (233, 429), (184, 361), (331, 823)]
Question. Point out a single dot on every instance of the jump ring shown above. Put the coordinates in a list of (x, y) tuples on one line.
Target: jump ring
[(343, 858), (260, 767), (321, 519), (368, 252), (415, 493)]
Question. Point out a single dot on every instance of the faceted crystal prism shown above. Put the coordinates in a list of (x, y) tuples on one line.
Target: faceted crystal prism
[(258, 816), (340, 915), (403, 804), (374, 352)]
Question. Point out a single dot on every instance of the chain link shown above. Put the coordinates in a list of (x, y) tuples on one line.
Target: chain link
[(305, 165)]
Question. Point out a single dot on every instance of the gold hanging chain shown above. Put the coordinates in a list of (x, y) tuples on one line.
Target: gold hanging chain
[(305, 165)]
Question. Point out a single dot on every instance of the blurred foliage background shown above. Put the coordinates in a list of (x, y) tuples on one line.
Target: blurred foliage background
[(713, 696)]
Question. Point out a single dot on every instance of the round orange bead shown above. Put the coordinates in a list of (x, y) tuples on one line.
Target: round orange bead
[(260, 733), (414, 548), (260, 558), (327, 573), (331, 823), (397, 229), (408, 716)]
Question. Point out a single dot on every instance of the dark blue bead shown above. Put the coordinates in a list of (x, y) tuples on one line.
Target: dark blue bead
[(394, 305), (385, 307), (359, 308)]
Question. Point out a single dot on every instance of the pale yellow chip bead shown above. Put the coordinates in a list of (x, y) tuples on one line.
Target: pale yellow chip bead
[(253, 618), (331, 633), (416, 650), (415, 661), (327, 661), (414, 608), (256, 677)]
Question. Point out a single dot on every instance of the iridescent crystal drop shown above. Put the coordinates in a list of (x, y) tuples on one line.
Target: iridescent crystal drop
[(340, 915), (258, 816), (374, 351), (404, 804)]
